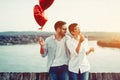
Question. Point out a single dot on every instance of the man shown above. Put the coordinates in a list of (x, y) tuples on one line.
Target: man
[(55, 47)]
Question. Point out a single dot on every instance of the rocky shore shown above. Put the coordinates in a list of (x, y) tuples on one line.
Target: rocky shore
[(109, 43)]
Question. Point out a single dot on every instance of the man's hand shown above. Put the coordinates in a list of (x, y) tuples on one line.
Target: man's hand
[(41, 41)]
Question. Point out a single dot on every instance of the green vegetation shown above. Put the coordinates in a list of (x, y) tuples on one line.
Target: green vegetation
[(12, 38)]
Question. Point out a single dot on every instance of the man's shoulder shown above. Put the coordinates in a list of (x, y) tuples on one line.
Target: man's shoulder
[(49, 38), (67, 37)]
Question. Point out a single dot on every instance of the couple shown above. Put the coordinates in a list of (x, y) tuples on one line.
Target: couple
[(67, 58)]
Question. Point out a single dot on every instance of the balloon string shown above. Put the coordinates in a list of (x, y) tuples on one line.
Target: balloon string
[(40, 28)]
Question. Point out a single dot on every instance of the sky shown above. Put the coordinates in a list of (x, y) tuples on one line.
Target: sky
[(91, 15)]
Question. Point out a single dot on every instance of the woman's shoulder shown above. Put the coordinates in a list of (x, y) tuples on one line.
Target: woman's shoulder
[(69, 40), (86, 39)]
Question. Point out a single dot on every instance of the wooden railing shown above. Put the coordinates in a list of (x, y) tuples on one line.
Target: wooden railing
[(45, 76)]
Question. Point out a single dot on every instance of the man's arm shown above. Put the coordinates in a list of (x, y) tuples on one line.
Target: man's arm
[(41, 42)]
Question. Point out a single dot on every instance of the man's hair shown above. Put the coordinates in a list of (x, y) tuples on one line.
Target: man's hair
[(71, 26), (59, 24)]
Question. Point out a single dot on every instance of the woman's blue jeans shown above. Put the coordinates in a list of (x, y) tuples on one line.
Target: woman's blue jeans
[(78, 76), (59, 73)]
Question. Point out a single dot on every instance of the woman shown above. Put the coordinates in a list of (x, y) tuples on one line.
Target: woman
[(78, 46)]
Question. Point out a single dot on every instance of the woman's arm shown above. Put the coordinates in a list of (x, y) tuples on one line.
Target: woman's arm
[(79, 43), (90, 50)]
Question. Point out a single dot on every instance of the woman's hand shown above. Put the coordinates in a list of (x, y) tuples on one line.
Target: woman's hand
[(92, 49), (82, 38)]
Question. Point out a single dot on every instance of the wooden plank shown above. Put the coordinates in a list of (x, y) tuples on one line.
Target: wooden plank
[(90, 76), (104, 76), (109, 76), (32, 77), (99, 76), (94, 76), (45, 76)]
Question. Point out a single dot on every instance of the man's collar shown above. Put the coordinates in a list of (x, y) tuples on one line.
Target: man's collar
[(54, 36)]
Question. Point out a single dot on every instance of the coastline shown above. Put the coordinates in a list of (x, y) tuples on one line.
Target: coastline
[(104, 39)]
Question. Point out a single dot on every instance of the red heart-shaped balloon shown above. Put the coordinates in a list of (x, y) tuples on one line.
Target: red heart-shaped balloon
[(45, 3), (39, 16)]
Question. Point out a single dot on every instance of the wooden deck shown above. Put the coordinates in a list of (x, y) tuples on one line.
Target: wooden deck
[(44, 76)]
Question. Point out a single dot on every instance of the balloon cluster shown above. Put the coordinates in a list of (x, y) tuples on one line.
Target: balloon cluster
[(38, 10)]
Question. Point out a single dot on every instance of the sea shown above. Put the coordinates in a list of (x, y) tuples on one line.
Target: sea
[(27, 58)]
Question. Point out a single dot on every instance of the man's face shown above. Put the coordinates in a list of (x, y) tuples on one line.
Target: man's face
[(63, 30)]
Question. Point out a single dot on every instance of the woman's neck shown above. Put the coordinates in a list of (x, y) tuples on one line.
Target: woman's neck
[(76, 37)]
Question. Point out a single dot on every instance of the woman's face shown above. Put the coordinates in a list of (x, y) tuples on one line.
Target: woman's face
[(76, 30)]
